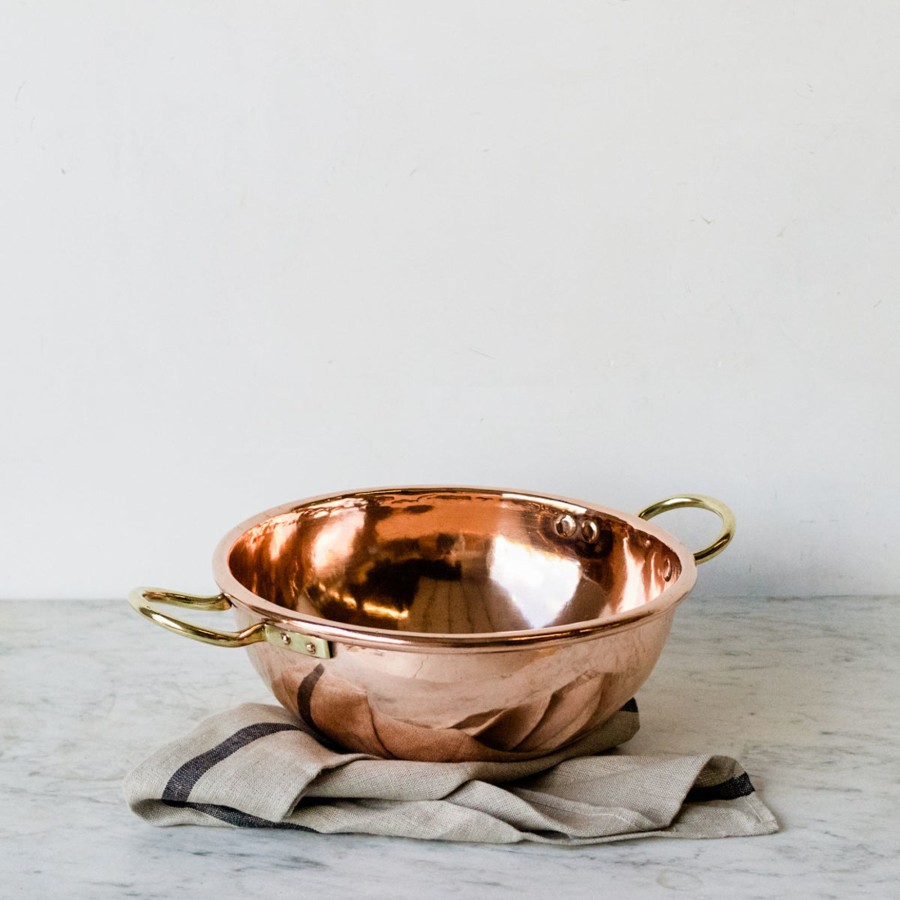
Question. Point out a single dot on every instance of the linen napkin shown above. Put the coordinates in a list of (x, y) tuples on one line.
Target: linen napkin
[(258, 767)]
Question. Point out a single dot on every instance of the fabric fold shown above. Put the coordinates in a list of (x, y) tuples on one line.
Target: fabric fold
[(256, 766)]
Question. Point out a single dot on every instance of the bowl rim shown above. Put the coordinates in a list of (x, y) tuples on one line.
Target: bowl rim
[(363, 635)]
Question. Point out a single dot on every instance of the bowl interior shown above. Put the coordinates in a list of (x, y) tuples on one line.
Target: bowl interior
[(452, 561)]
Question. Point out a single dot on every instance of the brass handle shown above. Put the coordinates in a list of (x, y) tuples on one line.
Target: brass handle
[(145, 601), (701, 502)]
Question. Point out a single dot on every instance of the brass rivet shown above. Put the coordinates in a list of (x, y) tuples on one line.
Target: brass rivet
[(589, 531), (310, 647), (566, 525), (285, 638)]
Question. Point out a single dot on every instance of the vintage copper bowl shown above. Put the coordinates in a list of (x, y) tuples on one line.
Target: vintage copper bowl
[(449, 623)]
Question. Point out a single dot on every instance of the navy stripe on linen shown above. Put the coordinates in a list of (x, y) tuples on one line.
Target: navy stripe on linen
[(235, 816), (186, 776), (739, 786)]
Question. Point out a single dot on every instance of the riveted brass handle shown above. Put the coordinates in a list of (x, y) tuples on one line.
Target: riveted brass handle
[(147, 600), (700, 502)]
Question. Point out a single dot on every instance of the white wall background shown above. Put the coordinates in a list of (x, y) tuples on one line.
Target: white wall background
[(615, 250)]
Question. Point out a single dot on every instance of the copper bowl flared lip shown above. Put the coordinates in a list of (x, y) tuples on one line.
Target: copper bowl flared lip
[(422, 641)]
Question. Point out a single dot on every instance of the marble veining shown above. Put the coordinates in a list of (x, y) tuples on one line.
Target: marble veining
[(804, 693)]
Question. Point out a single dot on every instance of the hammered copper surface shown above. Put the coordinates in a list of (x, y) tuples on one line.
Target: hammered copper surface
[(451, 563)]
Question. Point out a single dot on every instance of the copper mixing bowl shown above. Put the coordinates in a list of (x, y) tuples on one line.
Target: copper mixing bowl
[(449, 623)]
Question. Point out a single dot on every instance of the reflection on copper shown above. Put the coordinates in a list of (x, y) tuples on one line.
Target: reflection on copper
[(278, 539), (450, 562), (381, 611), (536, 578), (342, 533), (634, 585)]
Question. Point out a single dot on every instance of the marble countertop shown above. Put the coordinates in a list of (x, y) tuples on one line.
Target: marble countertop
[(804, 693)]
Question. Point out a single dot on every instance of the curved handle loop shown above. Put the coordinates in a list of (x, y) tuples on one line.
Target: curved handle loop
[(701, 502), (145, 601)]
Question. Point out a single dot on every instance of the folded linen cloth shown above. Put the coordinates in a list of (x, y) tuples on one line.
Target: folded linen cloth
[(257, 766)]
